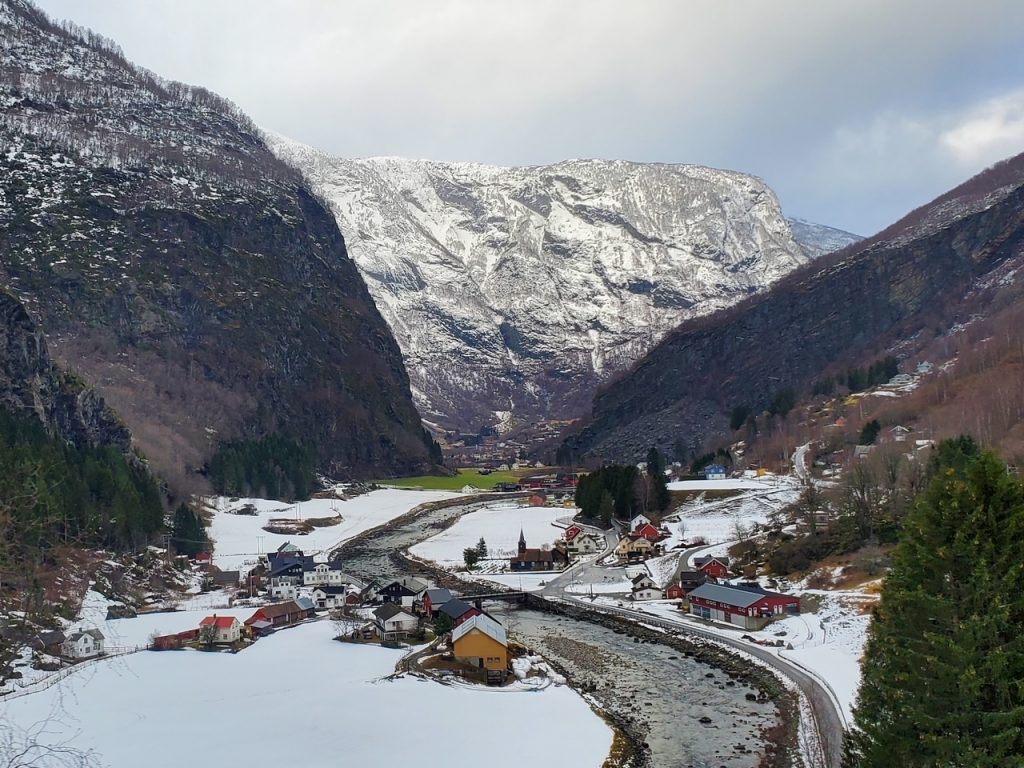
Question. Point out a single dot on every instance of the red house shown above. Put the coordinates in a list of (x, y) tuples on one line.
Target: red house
[(572, 532), (433, 599), (675, 592), (537, 499), (278, 614), (713, 566), (747, 606), (648, 531)]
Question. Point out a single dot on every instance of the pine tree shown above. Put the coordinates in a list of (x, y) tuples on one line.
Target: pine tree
[(945, 657), (481, 548)]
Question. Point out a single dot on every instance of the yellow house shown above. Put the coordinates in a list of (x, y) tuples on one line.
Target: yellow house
[(481, 642)]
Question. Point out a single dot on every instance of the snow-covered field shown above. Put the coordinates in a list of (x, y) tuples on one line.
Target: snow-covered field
[(238, 539), (299, 698), (499, 525), (723, 520)]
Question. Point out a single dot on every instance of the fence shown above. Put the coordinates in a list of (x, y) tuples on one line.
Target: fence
[(23, 688)]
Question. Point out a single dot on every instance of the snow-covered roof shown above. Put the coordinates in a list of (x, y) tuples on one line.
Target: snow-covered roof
[(485, 624)]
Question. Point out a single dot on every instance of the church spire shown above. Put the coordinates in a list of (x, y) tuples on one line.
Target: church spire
[(522, 542)]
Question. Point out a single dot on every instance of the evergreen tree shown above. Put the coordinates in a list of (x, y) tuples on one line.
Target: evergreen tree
[(869, 433), (945, 658), (481, 548), (187, 533), (606, 509), (656, 473), (442, 624), (738, 417), (471, 557)]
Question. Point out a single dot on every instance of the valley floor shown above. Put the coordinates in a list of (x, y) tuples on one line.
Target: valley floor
[(300, 698)]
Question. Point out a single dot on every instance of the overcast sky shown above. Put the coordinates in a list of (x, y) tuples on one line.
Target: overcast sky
[(854, 112)]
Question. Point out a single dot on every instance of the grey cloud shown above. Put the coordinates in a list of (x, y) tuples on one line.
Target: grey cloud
[(793, 91)]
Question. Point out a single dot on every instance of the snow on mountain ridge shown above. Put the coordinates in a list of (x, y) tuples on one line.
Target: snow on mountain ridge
[(521, 289)]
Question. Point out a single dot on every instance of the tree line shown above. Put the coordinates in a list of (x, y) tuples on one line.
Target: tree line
[(271, 467), (52, 492), (623, 491)]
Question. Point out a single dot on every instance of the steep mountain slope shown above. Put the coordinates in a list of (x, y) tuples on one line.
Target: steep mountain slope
[(944, 264), (181, 268), (818, 240), (31, 384), (518, 290)]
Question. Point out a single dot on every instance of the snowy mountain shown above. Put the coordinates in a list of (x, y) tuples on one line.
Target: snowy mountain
[(817, 239), (519, 290)]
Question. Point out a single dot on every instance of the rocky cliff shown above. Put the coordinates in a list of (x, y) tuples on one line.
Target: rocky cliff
[(514, 292), (182, 269), (30, 383), (933, 270)]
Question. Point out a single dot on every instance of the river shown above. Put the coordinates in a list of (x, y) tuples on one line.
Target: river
[(657, 691)]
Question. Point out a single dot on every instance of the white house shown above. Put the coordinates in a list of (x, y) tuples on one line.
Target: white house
[(899, 433), (639, 522), (585, 543), (334, 596), (226, 629), (393, 622), (283, 590), (83, 644), (645, 588), (323, 573)]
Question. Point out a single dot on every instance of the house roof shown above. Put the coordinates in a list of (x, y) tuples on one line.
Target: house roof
[(288, 547), (742, 596), (700, 562), (220, 622), (456, 608), (641, 577), (279, 609), (534, 556), (331, 589), (389, 610), (74, 637), (413, 585), (226, 577), (438, 596), (485, 624), (305, 604), (692, 576), (53, 637)]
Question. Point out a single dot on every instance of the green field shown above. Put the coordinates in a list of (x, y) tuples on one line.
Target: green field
[(464, 478)]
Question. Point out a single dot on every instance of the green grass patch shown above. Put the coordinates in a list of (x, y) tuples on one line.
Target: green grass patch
[(456, 483)]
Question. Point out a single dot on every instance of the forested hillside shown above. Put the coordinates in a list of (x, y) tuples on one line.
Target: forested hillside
[(183, 270)]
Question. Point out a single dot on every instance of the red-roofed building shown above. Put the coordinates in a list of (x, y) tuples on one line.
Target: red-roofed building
[(224, 629), (713, 566), (572, 532)]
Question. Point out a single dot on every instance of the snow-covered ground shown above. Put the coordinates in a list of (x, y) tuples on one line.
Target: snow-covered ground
[(239, 539), (299, 698), (723, 520), (499, 525)]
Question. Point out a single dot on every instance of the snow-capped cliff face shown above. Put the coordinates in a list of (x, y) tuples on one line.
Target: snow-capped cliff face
[(521, 289), (817, 239)]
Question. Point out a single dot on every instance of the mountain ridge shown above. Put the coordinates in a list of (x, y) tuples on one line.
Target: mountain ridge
[(930, 271), (515, 291)]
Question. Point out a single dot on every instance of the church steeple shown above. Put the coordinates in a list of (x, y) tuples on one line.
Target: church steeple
[(522, 542)]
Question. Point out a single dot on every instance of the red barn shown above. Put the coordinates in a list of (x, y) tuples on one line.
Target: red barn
[(713, 566), (648, 531), (747, 606), (675, 592), (278, 614)]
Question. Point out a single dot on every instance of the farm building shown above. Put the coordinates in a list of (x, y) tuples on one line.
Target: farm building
[(750, 607)]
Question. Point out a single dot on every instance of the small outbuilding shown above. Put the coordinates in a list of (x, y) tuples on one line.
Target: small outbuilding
[(481, 643)]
